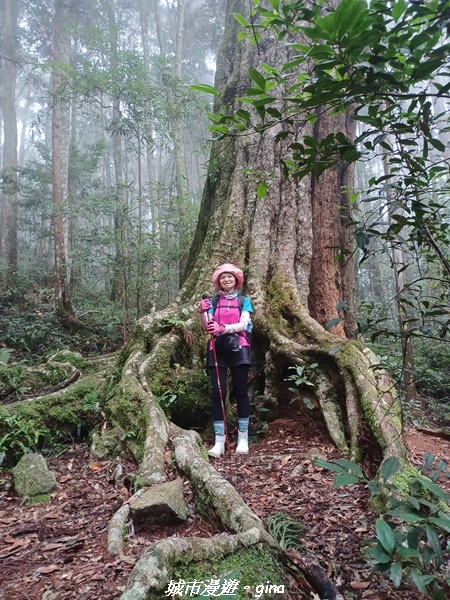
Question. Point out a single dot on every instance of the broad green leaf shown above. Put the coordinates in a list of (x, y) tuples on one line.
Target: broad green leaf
[(377, 554), (259, 102), (347, 479), (414, 502), (214, 117), (412, 537), (435, 544), (398, 9), (405, 552), (428, 459), (203, 87), (425, 69), (261, 190), (437, 144), (396, 573), (434, 488), (373, 487), (351, 466), (307, 402), (389, 466), (405, 515), (348, 17), (292, 64), (259, 79), (241, 20), (340, 305), (219, 128), (385, 535), (243, 114), (333, 323), (319, 462), (275, 4), (418, 581), (442, 522)]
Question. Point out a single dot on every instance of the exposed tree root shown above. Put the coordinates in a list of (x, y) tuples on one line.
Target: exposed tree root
[(228, 505), (351, 393), (116, 528), (314, 573), (153, 569)]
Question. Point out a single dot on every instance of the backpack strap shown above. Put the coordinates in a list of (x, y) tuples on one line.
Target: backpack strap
[(215, 300), (241, 300)]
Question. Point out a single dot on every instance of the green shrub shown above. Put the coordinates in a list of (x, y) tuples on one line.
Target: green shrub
[(411, 538)]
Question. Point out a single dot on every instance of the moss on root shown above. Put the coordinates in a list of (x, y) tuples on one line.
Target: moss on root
[(17, 381), (70, 414), (281, 300), (254, 568), (67, 356), (128, 415)]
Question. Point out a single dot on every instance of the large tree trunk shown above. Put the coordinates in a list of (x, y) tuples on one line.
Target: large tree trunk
[(282, 241), (404, 319), (118, 286)]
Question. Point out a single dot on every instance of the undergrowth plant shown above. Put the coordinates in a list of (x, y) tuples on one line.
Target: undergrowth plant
[(299, 377), (19, 437), (411, 538), (286, 530)]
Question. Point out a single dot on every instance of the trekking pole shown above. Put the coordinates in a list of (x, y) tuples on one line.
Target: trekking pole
[(219, 387)]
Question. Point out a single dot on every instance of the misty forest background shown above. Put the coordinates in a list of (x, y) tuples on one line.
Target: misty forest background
[(103, 155)]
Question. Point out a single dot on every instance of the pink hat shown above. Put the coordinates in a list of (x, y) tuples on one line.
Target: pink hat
[(228, 268)]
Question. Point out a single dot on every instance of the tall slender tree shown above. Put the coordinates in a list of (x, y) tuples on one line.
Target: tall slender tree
[(8, 222), (59, 173)]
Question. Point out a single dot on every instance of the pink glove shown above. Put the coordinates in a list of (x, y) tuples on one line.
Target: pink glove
[(204, 305), (214, 328)]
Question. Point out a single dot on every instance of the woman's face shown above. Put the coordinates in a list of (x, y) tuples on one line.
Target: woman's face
[(227, 282)]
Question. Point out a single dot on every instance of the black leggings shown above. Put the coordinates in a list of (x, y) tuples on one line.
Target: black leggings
[(239, 376)]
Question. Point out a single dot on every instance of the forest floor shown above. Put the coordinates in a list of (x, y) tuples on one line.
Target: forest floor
[(57, 551)]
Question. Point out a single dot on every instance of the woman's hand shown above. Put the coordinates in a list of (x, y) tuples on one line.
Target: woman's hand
[(204, 305), (214, 328)]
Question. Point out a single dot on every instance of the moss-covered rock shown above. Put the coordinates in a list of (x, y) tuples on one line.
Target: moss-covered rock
[(32, 477)]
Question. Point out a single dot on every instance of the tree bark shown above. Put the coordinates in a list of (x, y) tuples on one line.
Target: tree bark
[(332, 279)]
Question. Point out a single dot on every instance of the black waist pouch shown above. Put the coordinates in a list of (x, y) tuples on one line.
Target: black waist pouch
[(227, 342)]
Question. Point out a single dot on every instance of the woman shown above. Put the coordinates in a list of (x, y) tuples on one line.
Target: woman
[(228, 313)]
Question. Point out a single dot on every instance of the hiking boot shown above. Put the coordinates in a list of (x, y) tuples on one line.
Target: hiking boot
[(242, 446), (219, 447)]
